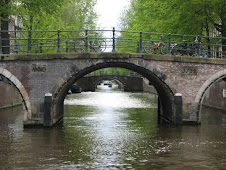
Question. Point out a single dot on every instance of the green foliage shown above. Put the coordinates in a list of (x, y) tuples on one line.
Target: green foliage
[(49, 15), (187, 17), (113, 70), (57, 14), (192, 17), (78, 14)]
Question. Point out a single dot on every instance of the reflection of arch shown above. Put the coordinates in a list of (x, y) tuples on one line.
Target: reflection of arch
[(162, 84), (22, 91), (119, 81), (208, 83)]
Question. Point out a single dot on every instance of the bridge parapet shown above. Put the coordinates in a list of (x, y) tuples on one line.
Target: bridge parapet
[(110, 56)]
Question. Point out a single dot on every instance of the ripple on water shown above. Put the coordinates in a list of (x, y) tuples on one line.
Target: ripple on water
[(110, 100)]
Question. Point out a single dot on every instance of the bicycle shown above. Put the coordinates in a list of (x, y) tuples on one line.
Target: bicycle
[(194, 49), (180, 49), (95, 45), (152, 47), (198, 49)]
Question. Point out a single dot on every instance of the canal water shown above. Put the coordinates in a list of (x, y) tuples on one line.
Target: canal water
[(111, 129)]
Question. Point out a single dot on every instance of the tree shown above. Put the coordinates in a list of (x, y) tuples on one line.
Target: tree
[(47, 15), (192, 17), (5, 10), (78, 14), (34, 13)]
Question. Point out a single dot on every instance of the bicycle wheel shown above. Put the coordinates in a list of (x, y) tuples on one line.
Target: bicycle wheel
[(99, 46), (150, 48), (164, 49), (79, 46)]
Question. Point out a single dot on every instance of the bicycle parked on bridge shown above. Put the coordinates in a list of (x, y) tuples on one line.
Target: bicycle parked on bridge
[(94, 44), (191, 49), (153, 47)]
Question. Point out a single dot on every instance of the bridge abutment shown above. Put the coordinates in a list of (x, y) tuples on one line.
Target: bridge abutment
[(178, 108), (48, 101)]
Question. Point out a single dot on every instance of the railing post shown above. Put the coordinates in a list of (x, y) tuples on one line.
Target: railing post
[(198, 46), (16, 48), (86, 41), (40, 47), (0, 42), (29, 41), (140, 45), (113, 39), (169, 43), (66, 46), (58, 41)]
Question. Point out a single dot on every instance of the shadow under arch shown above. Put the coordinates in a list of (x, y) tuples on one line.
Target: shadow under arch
[(159, 80), (202, 91), (22, 91)]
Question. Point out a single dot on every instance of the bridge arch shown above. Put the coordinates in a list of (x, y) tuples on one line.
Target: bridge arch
[(121, 85), (120, 81), (21, 89), (208, 84), (162, 84)]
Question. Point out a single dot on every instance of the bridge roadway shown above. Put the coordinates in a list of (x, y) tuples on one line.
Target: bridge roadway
[(44, 79)]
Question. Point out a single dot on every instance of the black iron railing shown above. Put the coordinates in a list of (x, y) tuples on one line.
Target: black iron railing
[(61, 41)]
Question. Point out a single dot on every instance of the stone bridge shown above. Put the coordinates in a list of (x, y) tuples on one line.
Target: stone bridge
[(125, 82), (44, 79)]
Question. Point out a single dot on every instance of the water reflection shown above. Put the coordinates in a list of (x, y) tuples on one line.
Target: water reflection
[(96, 135), (109, 100), (109, 124)]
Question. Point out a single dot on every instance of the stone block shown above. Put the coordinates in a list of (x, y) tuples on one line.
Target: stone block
[(220, 74), (6, 73), (1, 70), (22, 91), (28, 104), (14, 80)]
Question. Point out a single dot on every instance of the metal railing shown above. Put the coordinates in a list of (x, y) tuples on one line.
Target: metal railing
[(67, 41)]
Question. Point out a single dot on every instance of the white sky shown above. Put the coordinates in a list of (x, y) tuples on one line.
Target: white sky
[(109, 12)]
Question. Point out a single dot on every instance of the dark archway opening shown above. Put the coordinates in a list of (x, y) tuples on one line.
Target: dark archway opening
[(165, 94), (125, 79), (11, 102), (213, 104)]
